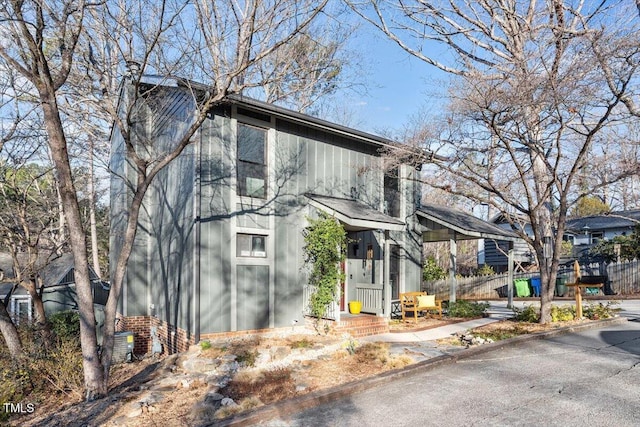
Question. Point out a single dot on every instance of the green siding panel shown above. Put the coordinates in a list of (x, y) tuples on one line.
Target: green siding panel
[(253, 297)]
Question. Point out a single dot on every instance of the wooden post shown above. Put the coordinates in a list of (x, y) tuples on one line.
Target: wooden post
[(578, 303), (452, 269), (510, 277), (386, 288), (577, 275)]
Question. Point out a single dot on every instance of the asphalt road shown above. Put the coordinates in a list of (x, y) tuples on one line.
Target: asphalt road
[(590, 378)]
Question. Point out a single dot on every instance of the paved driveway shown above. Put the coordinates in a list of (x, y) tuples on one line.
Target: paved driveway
[(589, 378)]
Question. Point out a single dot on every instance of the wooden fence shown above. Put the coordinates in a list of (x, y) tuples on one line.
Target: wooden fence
[(624, 277)]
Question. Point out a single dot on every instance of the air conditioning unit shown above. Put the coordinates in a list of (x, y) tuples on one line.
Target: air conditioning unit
[(122, 347)]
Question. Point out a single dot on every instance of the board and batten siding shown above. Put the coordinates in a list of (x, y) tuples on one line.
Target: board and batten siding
[(192, 215), (217, 168)]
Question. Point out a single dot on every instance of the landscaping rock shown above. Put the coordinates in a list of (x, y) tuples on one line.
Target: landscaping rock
[(227, 401), (279, 352), (201, 365), (135, 410)]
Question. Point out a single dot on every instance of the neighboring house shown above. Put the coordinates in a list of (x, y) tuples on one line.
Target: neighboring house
[(219, 247), (59, 288), (586, 231), (495, 251), (583, 233)]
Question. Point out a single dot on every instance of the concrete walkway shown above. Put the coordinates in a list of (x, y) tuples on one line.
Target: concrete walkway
[(497, 311), (422, 345)]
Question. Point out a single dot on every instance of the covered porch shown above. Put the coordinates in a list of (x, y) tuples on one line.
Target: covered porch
[(372, 265), (444, 224)]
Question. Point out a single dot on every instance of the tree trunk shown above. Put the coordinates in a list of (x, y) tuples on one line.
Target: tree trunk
[(95, 382), (10, 333), (118, 280), (92, 215), (42, 326)]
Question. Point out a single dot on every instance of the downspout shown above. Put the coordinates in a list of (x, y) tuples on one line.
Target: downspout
[(196, 244)]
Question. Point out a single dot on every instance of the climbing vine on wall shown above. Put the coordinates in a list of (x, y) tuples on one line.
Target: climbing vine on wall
[(325, 248)]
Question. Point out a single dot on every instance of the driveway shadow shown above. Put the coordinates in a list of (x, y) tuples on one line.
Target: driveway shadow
[(628, 341)]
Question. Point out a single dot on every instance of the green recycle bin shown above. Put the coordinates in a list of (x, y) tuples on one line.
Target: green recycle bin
[(522, 287)]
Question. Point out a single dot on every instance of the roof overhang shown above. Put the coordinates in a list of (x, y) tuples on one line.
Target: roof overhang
[(443, 223), (355, 215)]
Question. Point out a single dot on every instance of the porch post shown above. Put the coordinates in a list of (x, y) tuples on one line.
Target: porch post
[(453, 253), (510, 277), (386, 289)]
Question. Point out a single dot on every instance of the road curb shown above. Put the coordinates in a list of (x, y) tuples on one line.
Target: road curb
[(300, 403)]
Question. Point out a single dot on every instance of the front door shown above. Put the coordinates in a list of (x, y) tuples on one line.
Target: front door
[(394, 271)]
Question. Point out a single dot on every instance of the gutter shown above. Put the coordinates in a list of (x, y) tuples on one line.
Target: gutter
[(197, 239)]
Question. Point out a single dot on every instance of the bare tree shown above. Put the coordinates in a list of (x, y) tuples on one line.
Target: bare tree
[(222, 44), (533, 86), (28, 214)]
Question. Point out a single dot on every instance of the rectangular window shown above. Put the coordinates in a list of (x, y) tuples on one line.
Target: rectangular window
[(392, 193), (596, 237), (252, 164), (251, 245)]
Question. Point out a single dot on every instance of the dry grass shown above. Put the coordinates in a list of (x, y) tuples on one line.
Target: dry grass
[(253, 388), (266, 386)]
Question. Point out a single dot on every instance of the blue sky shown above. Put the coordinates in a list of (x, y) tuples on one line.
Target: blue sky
[(399, 85)]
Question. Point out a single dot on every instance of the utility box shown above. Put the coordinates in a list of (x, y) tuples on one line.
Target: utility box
[(122, 347)]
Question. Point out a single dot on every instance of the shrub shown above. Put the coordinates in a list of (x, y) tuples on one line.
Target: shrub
[(65, 324), (485, 270), (528, 314), (466, 309), (600, 311), (247, 357), (324, 249), (61, 368), (563, 313), (15, 384), (205, 345), (432, 271)]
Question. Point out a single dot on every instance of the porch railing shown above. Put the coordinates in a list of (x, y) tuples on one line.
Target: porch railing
[(332, 311), (370, 294)]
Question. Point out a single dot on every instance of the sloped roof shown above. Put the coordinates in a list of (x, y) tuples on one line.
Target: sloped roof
[(56, 272), (445, 223), (294, 116), (609, 221), (356, 215)]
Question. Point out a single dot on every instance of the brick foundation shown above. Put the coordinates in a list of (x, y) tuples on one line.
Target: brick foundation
[(176, 340), (173, 339)]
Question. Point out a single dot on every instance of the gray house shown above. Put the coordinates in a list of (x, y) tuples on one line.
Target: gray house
[(59, 288), (219, 244), (496, 250), (585, 232)]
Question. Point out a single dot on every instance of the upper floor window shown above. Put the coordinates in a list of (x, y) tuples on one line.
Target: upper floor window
[(392, 193), (596, 236), (252, 163)]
